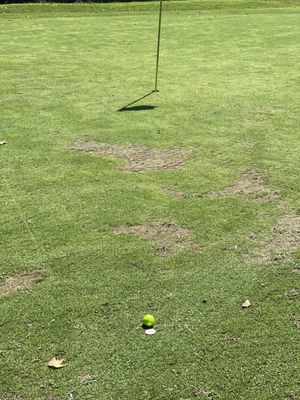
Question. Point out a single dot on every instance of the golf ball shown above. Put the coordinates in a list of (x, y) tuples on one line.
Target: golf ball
[(148, 320)]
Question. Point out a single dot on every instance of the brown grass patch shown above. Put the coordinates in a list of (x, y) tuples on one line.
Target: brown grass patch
[(50, 398), (295, 320), (204, 393), (13, 397), (139, 158), (25, 280), (250, 183), (167, 238), (86, 378), (175, 193), (291, 294), (285, 238)]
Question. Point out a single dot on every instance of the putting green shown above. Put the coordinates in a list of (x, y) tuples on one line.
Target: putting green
[(114, 241)]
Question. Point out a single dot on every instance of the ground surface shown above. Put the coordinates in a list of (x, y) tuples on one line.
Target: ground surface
[(91, 239)]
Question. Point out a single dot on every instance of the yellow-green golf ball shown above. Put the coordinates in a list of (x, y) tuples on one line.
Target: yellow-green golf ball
[(148, 320)]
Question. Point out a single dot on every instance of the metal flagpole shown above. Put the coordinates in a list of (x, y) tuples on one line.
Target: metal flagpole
[(158, 45)]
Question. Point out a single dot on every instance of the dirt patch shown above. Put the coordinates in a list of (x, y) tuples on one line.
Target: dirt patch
[(139, 158), (167, 238), (291, 294), (285, 238), (204, 394), (25, 280), (250, 183), (176, 193), (13, 397), (50, 398), (296, 271), (86, 378), (140, 264), (295, 320)]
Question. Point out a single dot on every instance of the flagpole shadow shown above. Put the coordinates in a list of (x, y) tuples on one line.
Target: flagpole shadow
[(131, 107)]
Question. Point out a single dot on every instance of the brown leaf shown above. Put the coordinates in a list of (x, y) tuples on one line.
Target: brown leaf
[(246, 304), (56, 363), (2, 142)]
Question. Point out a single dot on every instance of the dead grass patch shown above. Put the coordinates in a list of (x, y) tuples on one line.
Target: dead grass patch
[(25, 280), (175, 193), (295, 320), (13, 397), (204, 393), (250, 183), (296, 271), (285, 238), (50, 398), (291, 294), (139, 158), (86, 378), (167, 238)]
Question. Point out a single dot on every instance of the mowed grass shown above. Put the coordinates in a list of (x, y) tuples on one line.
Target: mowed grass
[(229, 93)]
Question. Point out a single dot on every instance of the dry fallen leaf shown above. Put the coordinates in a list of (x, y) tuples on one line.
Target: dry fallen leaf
[(247, 304), (56, 363), (2, 142)]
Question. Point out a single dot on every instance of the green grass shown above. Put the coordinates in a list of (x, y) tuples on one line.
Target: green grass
[(43, 9), (229, 91)]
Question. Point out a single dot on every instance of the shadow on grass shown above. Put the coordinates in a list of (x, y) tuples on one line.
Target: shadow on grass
[(130, 107)]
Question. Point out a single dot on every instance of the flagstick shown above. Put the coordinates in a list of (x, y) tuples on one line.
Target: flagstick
[(158, 45)]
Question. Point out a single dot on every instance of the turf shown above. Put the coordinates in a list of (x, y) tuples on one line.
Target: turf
[(229, 94)]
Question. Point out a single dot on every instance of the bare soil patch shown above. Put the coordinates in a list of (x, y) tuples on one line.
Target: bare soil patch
[(167, 238), (50, 398), (250, 183), (176, 193), (285, 238), (86, 378), (291, 294), (25, 280), (295, 320), (139, 158), (13, 397), (296, 271), (204, 393)]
